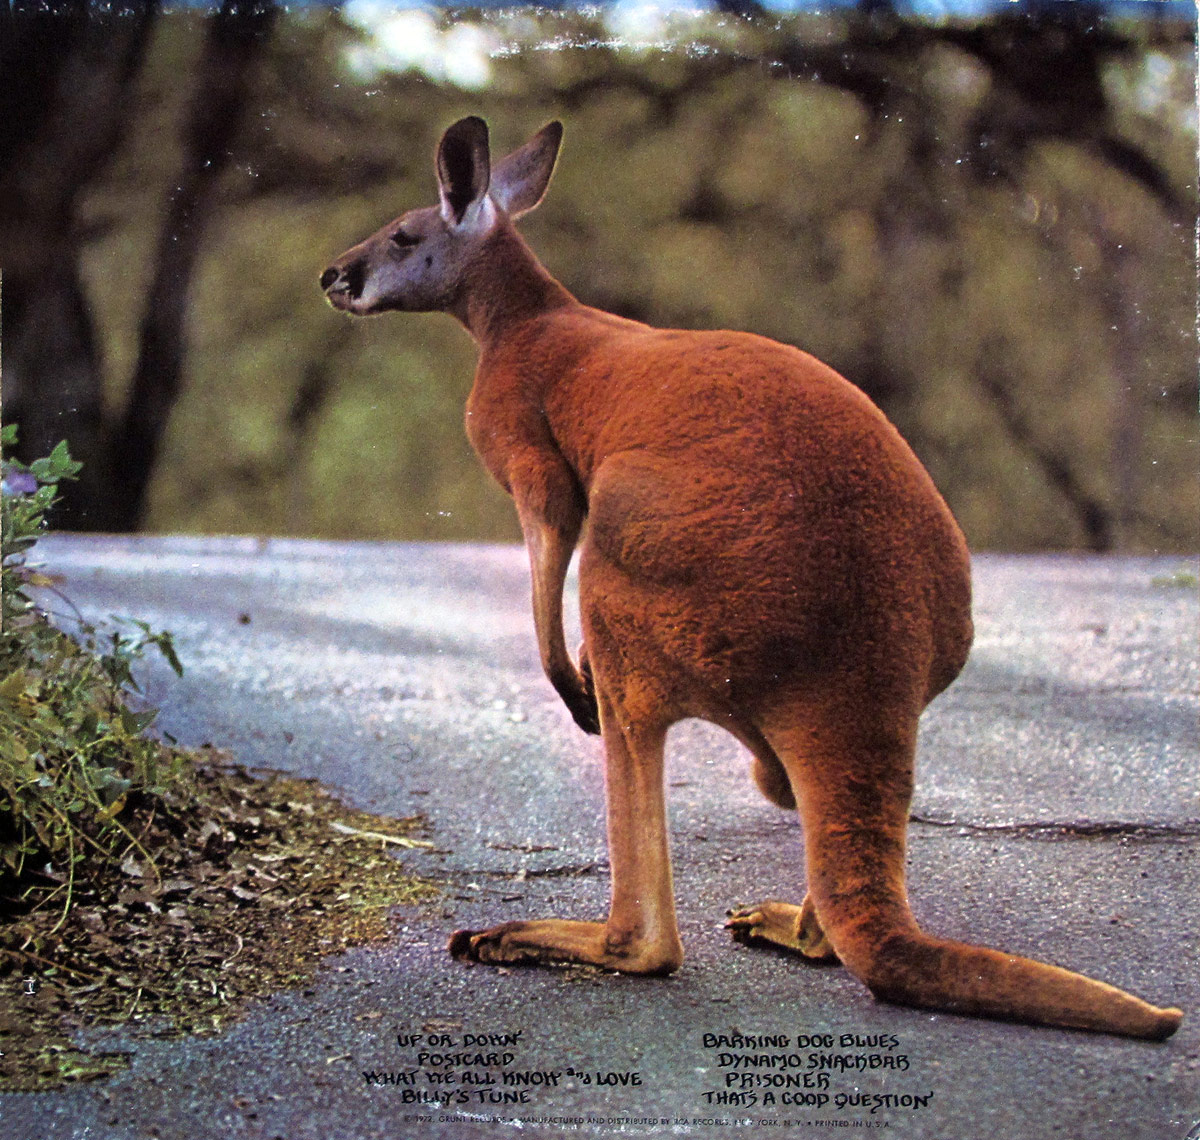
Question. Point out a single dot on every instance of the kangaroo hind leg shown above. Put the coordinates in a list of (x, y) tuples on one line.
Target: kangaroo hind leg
[(781, 924), (640, 935), (852, 774)]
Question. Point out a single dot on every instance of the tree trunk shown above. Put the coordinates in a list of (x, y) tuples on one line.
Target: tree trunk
[(64, 86), (64, 77), (236, 36)]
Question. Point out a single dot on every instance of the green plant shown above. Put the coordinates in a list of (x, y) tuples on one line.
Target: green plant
[(73, 752), (139, 881)]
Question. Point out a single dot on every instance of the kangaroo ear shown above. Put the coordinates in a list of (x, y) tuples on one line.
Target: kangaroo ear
[(463, 168), (520, 179)]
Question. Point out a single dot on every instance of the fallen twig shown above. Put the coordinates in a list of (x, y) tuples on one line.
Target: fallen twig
[(398, 840)]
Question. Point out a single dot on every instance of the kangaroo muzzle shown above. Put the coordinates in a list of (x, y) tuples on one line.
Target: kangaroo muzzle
[(343, 284)]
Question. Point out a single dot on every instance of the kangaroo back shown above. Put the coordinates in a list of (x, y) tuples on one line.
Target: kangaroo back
[(763, 551)]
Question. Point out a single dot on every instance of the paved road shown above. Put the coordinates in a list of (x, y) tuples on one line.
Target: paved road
[(406, 678)]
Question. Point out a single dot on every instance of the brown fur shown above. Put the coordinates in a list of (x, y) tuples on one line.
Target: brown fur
[(763, 551)]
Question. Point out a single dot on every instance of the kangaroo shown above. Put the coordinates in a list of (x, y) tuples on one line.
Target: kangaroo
[(763, 551)]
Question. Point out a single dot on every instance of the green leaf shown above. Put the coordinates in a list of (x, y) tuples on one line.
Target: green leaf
[(89, 724), (55, 466), (61, 464), (107, 784), (136, 723), (166, 646), (14, 685)]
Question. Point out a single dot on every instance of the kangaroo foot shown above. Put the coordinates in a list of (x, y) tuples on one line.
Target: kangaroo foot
[(782, 924), (555, 940)]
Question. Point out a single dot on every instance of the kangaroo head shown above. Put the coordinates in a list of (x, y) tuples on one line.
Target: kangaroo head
[(418, 262)]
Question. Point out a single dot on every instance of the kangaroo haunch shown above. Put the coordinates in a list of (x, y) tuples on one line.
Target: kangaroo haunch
[(763, 551)]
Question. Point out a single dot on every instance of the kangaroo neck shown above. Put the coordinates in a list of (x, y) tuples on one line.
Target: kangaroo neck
[(504, 286)]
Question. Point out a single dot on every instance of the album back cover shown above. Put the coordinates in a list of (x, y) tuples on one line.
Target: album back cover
[(485, 713)]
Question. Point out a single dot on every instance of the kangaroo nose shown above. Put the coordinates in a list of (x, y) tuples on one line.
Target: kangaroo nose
[(328, 278)]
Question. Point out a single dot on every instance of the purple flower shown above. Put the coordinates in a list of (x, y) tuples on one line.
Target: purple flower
[(17, 482)]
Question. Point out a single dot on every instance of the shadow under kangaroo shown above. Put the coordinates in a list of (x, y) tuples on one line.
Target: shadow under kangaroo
[(763, 551)]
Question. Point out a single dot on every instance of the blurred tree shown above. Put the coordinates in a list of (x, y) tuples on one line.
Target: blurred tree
[(235, 42), (985, 223), (1042, 79), (65, 76), (65, 85)]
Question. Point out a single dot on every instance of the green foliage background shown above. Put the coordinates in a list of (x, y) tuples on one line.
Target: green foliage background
[(691, 192)]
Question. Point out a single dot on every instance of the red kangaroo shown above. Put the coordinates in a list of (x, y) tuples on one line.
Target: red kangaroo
[(763, 551)]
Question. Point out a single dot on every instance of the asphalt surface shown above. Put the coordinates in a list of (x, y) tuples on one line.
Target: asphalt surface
[(1056, 816)]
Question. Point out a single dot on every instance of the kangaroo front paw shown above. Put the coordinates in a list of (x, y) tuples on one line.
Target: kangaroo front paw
[(578, 691), (588, 683)]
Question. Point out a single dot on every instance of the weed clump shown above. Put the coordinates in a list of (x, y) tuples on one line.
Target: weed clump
[(75, 762), (143, 885)]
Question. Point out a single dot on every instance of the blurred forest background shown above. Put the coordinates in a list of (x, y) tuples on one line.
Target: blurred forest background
[(986, 222)]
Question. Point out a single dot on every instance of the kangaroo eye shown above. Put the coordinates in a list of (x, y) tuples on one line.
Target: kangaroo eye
[(403, 240)]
